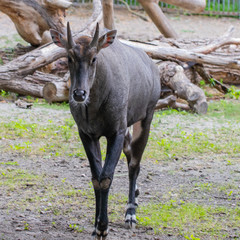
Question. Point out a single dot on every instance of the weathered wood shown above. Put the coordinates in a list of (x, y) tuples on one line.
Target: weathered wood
[(166, 53), (172, 75), (158, 17), (57, 91), (33, 18), (48, 53), (195, 6), (31, 85), (171, 102), (209, 79), (227, 75), (108, 14)]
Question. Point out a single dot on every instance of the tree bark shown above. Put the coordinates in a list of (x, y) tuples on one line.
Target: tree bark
[(57, 91), (195, 6), (38, 58), (172, 75), (171, 102), (166, 53), (108, 14), (160, 20), (33, 18), (31, 85)]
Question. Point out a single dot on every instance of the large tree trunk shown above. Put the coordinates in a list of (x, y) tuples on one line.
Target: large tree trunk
[(195, 6), (158, 17), (155, 13), (33, 85), (33, 18), (108, 14)]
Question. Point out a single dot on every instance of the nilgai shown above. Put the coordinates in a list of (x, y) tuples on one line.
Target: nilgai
[(113, 86)]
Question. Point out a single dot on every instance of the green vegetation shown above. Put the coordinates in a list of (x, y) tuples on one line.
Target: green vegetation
[(186, 210), (166, 141), (209, 134), (193, 221), (10, 41), (224, 6), (234, 92), (3, 93)]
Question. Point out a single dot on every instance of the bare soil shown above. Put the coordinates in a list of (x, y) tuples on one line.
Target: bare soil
[(161, 178), (156, 181)]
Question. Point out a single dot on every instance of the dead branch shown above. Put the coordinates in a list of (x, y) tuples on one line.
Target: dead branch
[(38, 58), (171, 102), (134, 12), (206, 76), (172, 75), (218, 43), (160, 20), (195, 6), (185, 55), (33, 18)]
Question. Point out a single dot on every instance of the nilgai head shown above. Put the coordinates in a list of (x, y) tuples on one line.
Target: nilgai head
[(82, 59)]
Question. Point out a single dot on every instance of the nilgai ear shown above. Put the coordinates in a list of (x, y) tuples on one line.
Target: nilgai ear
[(107, 39), (58, 38)]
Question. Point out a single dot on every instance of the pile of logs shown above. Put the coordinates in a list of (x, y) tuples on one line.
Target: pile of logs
[(179, 62)]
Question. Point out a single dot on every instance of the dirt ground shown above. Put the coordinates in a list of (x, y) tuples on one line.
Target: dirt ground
[(178, 178), (161, 178)]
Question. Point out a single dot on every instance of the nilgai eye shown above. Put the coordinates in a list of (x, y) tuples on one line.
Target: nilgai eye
[(94, 60)]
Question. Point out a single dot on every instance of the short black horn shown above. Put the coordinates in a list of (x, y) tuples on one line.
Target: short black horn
[(71, 42), (94, 41)]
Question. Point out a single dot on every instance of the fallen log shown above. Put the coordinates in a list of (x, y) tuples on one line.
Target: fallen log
[(195, 6), (32, 85), (57, 89), (171, 102), (172, 75), (33, 18), (46, 54), (167, 53)]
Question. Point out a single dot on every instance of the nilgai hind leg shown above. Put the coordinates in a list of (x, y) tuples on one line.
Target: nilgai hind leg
[(133, 149)]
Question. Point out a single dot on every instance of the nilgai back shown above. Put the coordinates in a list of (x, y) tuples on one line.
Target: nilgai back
[(113, 86)]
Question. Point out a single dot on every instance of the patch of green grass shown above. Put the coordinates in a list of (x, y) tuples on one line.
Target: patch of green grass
[(3, 93), (189, 219), (178, 134), (13, 179), (56, 106), (224, 109), (10, 163), (10, 41), (76, 228), (169, 144)]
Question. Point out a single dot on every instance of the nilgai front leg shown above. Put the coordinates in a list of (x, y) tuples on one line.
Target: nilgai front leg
[(102, 177)]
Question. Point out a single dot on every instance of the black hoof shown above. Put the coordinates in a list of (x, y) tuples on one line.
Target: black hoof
[(130, 217), (130, 221), (99, 235)]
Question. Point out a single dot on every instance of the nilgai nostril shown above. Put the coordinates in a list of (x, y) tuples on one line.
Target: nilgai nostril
[(79, 95)]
